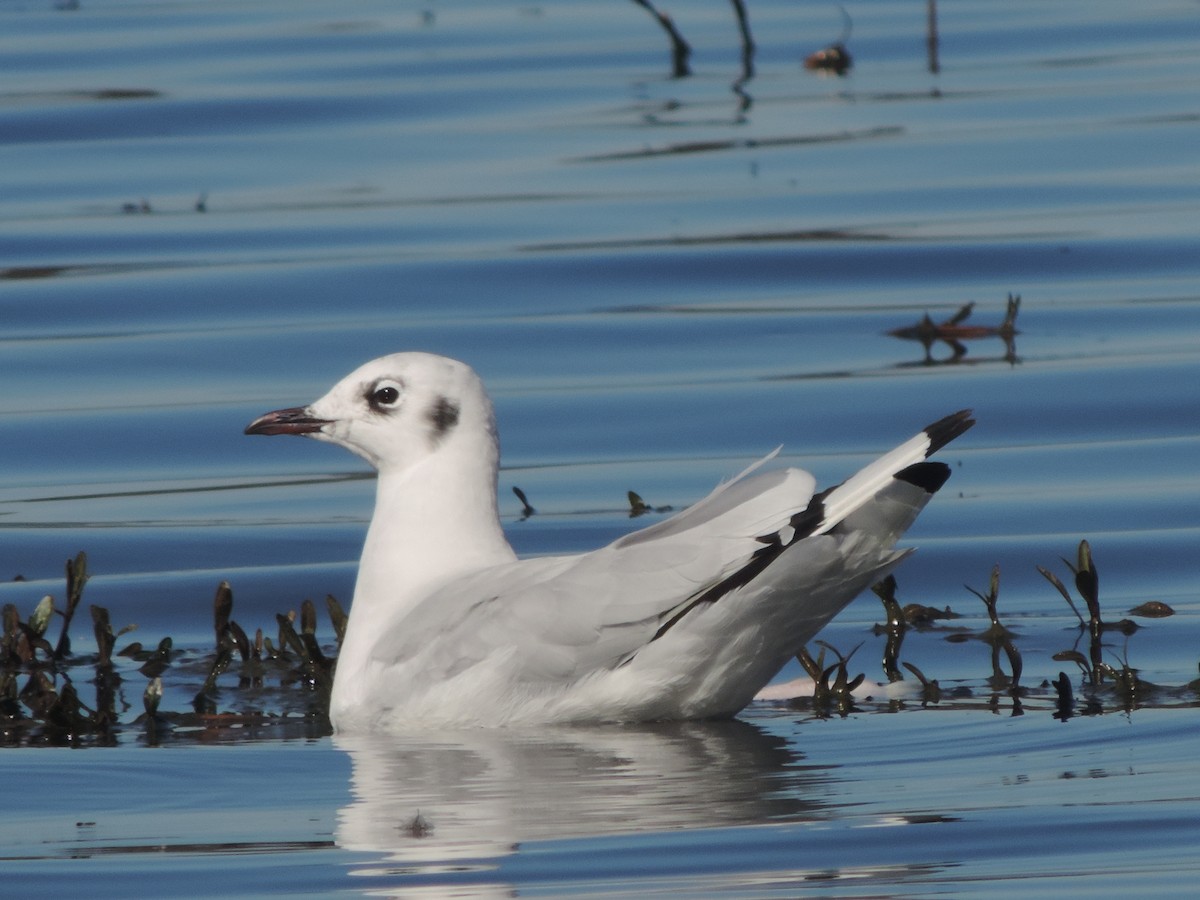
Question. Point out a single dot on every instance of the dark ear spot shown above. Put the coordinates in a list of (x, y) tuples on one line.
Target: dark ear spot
[(443, 416)]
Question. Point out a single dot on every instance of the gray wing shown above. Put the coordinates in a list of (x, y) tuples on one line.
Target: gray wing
[(565, 616), (562, 617)]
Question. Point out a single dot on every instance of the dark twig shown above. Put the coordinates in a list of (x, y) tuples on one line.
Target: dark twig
[(931, 35), (680, 51), (526, 509), (743, 20)]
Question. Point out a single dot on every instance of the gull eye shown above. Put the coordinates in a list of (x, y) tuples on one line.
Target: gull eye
[(384, 395)]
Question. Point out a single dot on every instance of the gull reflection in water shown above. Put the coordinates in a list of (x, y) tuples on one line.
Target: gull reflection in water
[(429, 799)]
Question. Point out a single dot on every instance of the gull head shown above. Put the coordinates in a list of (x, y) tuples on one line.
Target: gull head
[(394, 411)]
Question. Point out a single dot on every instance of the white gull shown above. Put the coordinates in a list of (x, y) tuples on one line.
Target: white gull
[(688, 618)]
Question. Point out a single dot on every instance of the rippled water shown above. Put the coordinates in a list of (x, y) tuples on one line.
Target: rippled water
[(208, 210)]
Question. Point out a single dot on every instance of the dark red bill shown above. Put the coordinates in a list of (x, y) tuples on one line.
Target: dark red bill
[(297, 420)]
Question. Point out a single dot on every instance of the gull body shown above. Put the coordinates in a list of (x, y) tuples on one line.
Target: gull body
[(688, 618)]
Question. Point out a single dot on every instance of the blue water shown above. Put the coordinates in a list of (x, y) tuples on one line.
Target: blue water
[(210, 210)]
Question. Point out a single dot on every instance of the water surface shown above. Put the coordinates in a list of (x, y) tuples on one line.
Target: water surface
[(212, 210)]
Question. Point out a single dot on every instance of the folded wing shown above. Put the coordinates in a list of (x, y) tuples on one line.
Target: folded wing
[(763, 548)]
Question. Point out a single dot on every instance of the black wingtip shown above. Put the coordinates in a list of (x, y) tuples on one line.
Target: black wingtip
[(943, 431), (928, 476), (806, 522)]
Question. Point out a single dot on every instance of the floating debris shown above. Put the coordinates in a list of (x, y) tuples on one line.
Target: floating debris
[(1152, 609), (834, 58), (417, 827), (639, 507), (917, 615), (952, 332)]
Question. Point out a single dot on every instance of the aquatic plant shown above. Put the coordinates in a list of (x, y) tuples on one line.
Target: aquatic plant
[(77, 576), (1122, 679), (265, 684), (838, 696), (999, 638), (931, 691), (39, 703), (895, 629), (899, 620), (1087, 583)]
